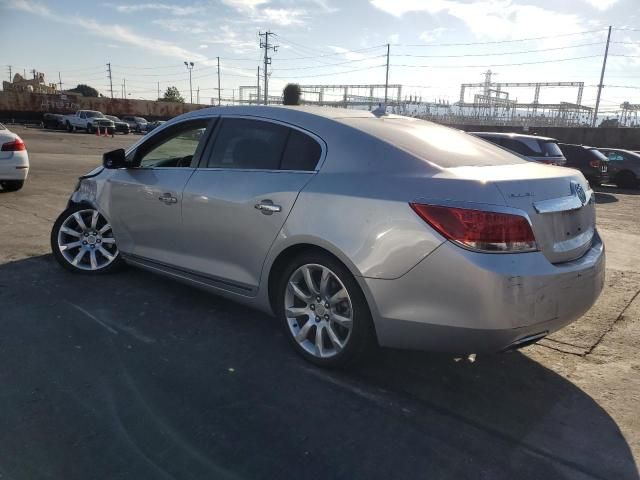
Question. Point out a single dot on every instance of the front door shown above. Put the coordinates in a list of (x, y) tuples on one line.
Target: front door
[(145, 201), (235, 205)]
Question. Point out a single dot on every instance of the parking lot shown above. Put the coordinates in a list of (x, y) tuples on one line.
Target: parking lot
[(133, 375)]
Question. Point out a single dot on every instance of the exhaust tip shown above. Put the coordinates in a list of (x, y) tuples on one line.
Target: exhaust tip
[(525, 341)]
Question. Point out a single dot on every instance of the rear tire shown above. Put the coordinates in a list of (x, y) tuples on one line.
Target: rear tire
[(341, 314), (82, 242), (11, 185), (626, 179)]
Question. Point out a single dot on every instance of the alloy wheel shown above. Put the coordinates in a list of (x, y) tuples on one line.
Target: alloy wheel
[(85, 240), (318, 310)]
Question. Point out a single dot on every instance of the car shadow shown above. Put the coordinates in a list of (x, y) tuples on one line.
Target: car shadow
[(613, 189), (605, 198), (137, 376)]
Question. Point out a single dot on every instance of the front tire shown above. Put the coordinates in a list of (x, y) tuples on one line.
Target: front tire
[(11, 185), (82, 241), (324, 312)]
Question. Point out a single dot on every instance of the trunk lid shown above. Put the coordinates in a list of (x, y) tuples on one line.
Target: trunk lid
[(558, 200)]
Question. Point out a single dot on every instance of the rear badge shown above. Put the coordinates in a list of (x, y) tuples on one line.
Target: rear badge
[(578, 191)]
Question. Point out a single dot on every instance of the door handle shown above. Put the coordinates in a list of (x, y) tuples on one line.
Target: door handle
[(267, 207), (168, 199)]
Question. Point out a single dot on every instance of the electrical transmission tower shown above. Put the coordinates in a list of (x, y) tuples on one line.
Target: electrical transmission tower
[(110, 78), (267, 60)]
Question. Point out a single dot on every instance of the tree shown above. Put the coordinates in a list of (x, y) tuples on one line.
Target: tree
[(172, 95), (85, 90), (291, 94)]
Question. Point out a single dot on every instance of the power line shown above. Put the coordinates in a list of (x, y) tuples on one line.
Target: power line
[(495, 41), (331, 64), (499, 64), (334, 73), (333, 54), (497, 53)]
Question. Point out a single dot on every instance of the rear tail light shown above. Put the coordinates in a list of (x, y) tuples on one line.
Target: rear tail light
[(595, 163), (15, 146), (478, 229)]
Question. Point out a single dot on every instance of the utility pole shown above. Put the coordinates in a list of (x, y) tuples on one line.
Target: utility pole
[(10, 76), (218, 80), (60, 80), (158, 90), (198, 95), (33, 71), (267, 61), (386, 83), (110, 79), (124, 88), (189, 66), (258, 84), (604, 66)]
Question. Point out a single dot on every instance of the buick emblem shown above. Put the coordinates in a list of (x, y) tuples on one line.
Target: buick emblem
[(578, 191)]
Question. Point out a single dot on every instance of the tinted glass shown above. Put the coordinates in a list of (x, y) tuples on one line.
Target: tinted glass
[(91, 114), (248, 144), (598, 154), (550, 149), (302, 152), (516, 146), (177, 149)]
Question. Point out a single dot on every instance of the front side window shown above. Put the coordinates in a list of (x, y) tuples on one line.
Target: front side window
[(175, 148), (248, 144)]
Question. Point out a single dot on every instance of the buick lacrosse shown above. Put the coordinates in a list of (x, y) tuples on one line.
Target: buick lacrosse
[(353, 228)]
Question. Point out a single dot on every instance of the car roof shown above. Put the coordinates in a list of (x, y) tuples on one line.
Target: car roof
[(514, 135), (283, 112), (577, 146)]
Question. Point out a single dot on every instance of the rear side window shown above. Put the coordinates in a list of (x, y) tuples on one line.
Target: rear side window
[(248, 144), (302, 152), (517, 146)]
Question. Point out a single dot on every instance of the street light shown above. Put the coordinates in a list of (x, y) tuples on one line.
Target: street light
[(189, 66)]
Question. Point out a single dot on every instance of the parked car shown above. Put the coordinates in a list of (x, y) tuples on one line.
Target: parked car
[(14, 161), (89, 121), (534, 148), (351, 228), (136, 124), (53, 121), (589, 160), (153, 125), (120, 126), (624, 166)]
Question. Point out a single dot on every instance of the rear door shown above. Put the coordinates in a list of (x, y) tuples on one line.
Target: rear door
[(145, 201), (237, 201)]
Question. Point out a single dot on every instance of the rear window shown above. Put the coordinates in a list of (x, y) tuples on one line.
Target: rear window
[(598, 154), (550, 149), (442, 146)]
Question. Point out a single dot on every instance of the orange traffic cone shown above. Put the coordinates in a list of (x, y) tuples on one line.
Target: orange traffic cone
[(106, 132), (98, 131)]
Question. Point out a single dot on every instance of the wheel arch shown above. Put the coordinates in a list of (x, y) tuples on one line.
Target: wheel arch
[(282, 258)]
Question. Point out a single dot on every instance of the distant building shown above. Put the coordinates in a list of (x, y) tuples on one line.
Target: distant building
[(35, 85)]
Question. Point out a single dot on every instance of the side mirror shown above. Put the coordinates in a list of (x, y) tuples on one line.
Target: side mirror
[(114, 159)]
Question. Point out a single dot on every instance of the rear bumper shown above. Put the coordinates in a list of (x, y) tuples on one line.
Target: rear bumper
[(14, 168), (461, 301)]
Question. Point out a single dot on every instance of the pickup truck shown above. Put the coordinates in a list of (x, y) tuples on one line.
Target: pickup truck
[(89, 121)]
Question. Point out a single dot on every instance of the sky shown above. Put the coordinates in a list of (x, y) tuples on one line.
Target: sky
[(434, 45)]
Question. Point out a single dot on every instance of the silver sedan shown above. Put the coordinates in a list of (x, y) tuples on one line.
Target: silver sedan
[(354, 229)]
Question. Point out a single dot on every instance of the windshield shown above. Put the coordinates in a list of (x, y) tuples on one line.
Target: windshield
[(91, 114), (140, 119), (111, 117)]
